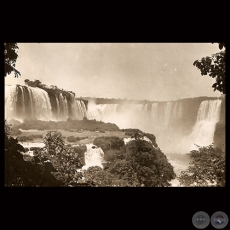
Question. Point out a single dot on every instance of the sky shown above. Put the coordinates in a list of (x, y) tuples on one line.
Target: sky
[(142, 71)]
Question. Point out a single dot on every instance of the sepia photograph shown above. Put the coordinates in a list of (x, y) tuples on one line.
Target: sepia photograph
[(114, 114)]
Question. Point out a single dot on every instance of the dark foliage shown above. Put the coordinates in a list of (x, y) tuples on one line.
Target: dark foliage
[(136, 164), (10, 58), (107, 143), (21, 173), (207, 168), (215, 67)]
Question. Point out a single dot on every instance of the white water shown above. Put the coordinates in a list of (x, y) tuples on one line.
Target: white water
[(40, 104), (23, 102), (80, 106), (62, 107), (157, 119), (207, 117), (94, 156), (101, 112), (136, 115), (36, 105)]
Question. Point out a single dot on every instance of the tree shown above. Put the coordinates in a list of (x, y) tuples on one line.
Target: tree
[(215, 66), (96, 176), (207, 168), (150, 164), (26, 81), (36, 83), (124, 173), (137, 163), (10, 57), (20, 172), (54, 142)]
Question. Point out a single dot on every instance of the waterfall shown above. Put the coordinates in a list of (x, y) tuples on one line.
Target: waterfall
[(94, 156), (102, 112), (207, 117), (77, 109), (63, 106), (70, 107), (176, 124), (167, 113), (26, 102), (80, 109), (177, 110), (147, 117), (57, 114)]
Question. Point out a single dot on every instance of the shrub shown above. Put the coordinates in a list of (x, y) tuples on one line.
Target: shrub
[(71, 139)]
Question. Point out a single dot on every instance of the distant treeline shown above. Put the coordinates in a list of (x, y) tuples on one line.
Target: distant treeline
[(132, 101), (112, 100)]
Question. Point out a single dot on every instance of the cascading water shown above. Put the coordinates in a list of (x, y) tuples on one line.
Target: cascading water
[(143, 116), (173, 123), (26, 102), (79, 108), (63, 107), (207, 117), (131, 115), (167, 113), (94, 156), (176, 124), (23, 102), (102, 112)]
